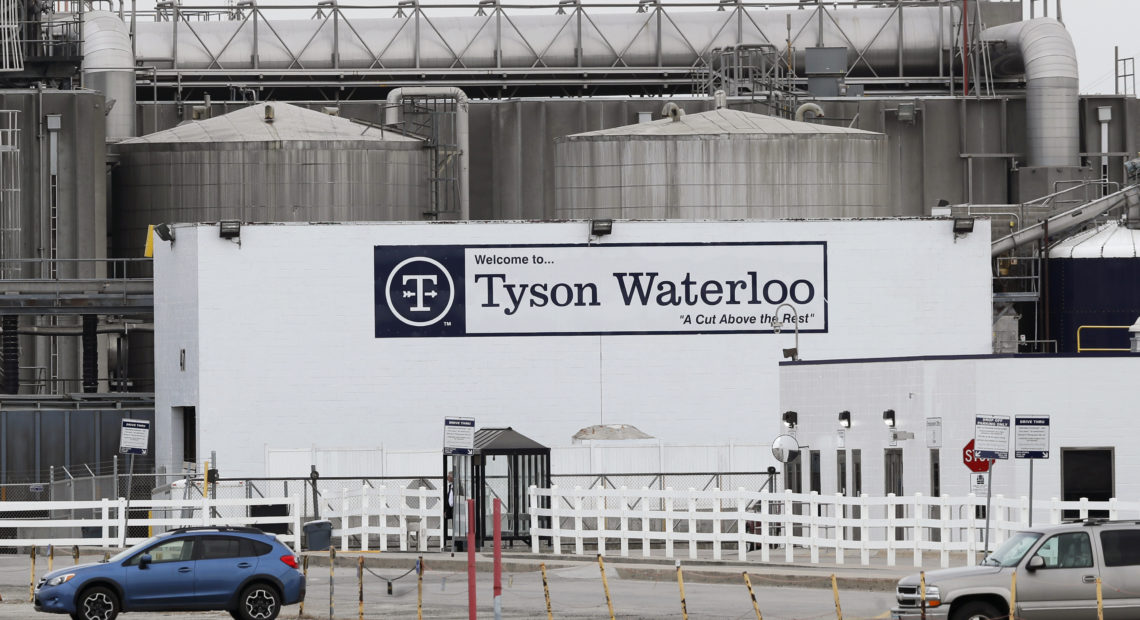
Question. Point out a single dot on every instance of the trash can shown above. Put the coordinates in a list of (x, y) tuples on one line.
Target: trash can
[(318, 535)]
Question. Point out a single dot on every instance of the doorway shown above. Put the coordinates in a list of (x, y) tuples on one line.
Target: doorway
[(893, 483), (1087, 472)]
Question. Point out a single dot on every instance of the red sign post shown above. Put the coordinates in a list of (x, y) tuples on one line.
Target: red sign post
[(971, 460)]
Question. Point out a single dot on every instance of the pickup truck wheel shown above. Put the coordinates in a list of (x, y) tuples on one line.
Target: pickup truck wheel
[(977, 610)]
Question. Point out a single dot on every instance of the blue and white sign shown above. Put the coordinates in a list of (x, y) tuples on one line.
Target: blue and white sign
[(582, 289), (991, 437), (458, 435), (134, 436), (1031, 437)]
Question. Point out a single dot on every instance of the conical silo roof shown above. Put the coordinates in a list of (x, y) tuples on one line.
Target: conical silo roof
[(253, 124), (720, 122)]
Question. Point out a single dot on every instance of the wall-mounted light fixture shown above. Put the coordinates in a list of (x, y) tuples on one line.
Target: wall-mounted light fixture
[(889, 418), (790, 419), (229, 229), (601, 228), (963, 225), (845, 419), (164, 232)]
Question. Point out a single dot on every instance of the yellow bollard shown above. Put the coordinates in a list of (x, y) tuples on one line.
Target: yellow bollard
[(1013, 595), (420, 588), (546, 591), (681, 585), (360, 584), (1099, 601), (332, 569), (305, 575), (75, 553), (32, 579), (755, 606), (922, 592), (606, 586), (51, 558), (835, 591)]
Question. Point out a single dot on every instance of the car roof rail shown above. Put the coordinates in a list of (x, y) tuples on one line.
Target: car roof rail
[(216, 528)]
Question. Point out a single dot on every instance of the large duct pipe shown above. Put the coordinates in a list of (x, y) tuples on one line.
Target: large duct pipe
[(109, 66), (391, 117), (873, 37), (1043, 50)]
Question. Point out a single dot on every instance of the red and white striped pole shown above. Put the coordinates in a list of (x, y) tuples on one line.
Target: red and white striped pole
[(472, 612), (498, 559)]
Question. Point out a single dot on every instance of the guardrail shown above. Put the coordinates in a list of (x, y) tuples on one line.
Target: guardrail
[(1083, 349), (723, 520), (102, 523)]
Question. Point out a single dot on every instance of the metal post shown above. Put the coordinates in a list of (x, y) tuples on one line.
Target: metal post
[(127, 507), (1031, 492), (453, 497), (989, 490)]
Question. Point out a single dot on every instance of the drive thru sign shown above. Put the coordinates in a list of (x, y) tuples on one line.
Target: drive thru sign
[(134, 436), (970, 458)]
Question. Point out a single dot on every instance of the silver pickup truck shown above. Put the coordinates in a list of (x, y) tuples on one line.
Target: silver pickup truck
[(1057, 569)]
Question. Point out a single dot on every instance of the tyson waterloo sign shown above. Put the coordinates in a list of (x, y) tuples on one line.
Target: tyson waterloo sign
[(543, 290)]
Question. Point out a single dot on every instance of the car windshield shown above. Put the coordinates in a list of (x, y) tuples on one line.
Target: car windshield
[(1012, 550), (125, 553)]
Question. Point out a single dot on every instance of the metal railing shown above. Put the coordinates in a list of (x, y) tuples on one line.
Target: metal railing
[(73, 269)]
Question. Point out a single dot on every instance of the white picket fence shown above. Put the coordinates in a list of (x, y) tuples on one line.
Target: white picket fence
[(778, 523), (62, 523), (365, 517)]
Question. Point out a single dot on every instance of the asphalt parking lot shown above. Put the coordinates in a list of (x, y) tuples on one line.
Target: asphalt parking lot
[(576, 591)]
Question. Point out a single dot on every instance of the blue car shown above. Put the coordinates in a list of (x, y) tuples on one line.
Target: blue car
[(240, 570)]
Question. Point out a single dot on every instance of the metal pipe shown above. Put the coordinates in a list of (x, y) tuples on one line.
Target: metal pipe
[(1060, 223), (1043, 50), (391, 117), (801, 112), (440, 39), (109, 66)]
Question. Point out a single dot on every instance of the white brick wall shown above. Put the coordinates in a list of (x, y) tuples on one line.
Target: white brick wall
[(1089, 400), (286, 356)]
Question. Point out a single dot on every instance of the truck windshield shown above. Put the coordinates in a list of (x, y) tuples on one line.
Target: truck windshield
[(1012, 550)]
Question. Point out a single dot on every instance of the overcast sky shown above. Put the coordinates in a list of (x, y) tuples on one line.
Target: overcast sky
[(1096, 26)]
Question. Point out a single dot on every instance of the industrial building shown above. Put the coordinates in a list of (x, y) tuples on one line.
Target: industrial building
[(926, 172)]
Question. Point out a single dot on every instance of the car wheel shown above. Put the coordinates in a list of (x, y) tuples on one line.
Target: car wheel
[(97, 603), (977, 610), (258, 602)]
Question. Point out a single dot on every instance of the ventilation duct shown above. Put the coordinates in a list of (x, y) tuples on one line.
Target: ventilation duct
[(1042, 50), (109, 66)]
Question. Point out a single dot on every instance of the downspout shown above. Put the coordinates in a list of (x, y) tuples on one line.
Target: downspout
[(391, 117), (1043, 50), (109, 66)]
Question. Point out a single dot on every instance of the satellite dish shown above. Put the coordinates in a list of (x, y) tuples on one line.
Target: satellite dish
[(785, 448)]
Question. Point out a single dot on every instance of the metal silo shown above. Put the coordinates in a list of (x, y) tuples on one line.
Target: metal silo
[(1091, 293), (721, 164), (266, 163)]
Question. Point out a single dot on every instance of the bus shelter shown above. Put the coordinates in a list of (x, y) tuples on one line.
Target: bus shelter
[(503, 465)]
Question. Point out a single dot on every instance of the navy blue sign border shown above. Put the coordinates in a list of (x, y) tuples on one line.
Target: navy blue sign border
[(826, 282)]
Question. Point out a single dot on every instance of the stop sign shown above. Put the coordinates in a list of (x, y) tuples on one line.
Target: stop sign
[(970, 458)]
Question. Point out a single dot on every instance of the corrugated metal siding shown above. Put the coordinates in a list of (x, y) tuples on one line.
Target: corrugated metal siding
[(723, 177)]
